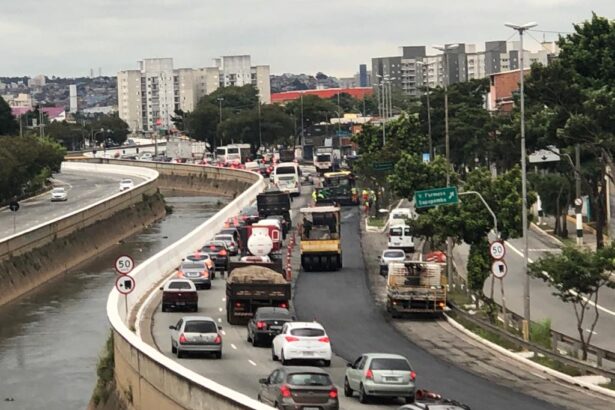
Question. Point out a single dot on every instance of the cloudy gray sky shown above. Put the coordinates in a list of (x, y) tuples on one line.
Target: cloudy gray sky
[(68, 37)]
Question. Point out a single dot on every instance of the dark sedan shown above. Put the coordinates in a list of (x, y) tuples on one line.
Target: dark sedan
[(219, 253), (267, 324)]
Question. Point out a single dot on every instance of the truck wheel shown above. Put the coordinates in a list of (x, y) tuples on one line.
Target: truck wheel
[(218, 355)]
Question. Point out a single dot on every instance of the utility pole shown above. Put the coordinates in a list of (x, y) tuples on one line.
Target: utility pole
[(526, 284), (302, 127), (220, 99)]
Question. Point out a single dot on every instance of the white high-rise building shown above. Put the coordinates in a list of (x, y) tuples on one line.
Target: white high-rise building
[(148, 97), (72, 93)]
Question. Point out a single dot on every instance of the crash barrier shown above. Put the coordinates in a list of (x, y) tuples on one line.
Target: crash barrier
[(60, 227), (144, 376)]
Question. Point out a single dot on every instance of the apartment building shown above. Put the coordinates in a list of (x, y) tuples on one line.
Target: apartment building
[(149, 96), (415, 69)]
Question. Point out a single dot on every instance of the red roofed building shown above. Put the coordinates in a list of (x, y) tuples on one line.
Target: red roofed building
[(357, 92), (53, 113)]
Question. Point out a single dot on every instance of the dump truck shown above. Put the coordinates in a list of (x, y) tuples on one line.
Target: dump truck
[(253, 286), (323, 160), (274, 203), (415, 287), (321, 247)]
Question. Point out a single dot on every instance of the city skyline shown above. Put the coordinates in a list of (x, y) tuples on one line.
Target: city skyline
[(67, 38)]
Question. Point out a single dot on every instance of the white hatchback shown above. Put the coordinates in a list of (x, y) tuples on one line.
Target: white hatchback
[(302, 341), (126, 184)]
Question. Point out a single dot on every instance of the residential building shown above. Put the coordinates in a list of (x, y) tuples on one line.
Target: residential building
[(502, 87), (363, 76), (149, 96), (387, 68), (21, 100)]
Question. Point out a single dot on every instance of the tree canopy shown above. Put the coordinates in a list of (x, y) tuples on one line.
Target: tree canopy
[(8, 124)]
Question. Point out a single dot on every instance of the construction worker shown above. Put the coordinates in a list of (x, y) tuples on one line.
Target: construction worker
[(355, 195), (365, 196)]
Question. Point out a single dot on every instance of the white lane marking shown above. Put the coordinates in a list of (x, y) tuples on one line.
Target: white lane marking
[(605, 310), (591, 331), (223, 332), (347, 216), (224, 299), (233, 346), (220, 309), (252, 363), (219, 320)]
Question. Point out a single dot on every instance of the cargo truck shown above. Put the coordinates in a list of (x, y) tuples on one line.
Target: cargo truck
[(415, 287), (251, 287), (274, 203)]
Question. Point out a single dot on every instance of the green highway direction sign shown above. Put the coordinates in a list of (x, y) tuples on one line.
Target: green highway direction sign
[(382, 166), (435, 197)]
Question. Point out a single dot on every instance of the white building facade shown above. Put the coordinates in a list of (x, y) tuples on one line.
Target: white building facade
[(149, 96)]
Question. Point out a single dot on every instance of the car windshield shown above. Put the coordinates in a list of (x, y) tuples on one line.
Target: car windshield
[(394, 254), (193, 266), (307, 332), (308, 379), (323, 157), (390, 364), (58, 190), (287, 178), (126, 181), (200, 326), (250, 210), (285, 170), (180, 285)]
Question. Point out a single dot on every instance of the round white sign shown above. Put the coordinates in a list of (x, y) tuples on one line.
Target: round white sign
[(124, 265), (497, 250), (125, 284), (499, 269), (578, 201)]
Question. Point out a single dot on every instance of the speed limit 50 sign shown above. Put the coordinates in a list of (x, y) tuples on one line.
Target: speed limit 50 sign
[(124, 264), (497, 250)]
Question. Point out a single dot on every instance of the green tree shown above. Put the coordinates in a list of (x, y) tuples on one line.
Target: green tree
[(555, 192), (576, 277), (118, 127), (315, 109), (71, 136), (8, 125)]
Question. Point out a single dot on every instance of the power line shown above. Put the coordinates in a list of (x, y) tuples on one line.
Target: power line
[(552, 32)]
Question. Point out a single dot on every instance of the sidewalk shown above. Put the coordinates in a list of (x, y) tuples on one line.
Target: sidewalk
[(589, 235)]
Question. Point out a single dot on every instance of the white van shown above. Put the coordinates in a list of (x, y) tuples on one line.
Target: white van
[(400, 237), (287, 177), (398, 216)]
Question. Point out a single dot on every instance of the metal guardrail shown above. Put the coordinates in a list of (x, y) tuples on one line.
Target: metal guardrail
[(567, 360)]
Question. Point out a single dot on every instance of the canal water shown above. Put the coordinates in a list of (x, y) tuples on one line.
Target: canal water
[(50, 340)]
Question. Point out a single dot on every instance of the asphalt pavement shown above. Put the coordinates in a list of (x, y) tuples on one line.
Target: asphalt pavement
[(83, 189), (341, 301)]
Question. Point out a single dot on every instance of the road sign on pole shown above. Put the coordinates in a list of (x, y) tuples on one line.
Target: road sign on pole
[(125, 284), (435, 197), (14, 206), (124, 264), (499, 269), (497, 250)]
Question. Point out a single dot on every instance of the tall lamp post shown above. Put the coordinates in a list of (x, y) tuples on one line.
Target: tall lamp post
[(449, 240), (526, 284), (428, 92), (220, 99)]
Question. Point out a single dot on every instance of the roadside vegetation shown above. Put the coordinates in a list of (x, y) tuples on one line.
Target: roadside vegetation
[(104, 371)]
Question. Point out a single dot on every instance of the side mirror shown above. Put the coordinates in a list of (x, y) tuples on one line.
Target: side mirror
[(172, 327), (263, 381), (349, 365)]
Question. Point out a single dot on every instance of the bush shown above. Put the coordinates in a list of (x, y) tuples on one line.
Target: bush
[(540, 333), (104, 371)]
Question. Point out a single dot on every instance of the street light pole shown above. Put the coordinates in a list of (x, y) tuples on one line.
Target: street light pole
[(220, 99), (526, 284), (428, 109), (302, 127)]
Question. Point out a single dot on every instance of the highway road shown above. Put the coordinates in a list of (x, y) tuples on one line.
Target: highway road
[(341, 301), (543, 304), (83, 189)]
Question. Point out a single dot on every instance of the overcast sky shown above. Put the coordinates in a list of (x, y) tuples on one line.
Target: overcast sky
[(68, 37)]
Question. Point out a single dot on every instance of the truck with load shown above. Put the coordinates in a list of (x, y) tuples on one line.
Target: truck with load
[(415, 287), (274, 203), (321, 247), (251, 287), (179, 149)]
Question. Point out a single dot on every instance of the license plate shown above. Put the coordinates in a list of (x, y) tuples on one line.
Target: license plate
[(308, 353), (391, 379), (180, 303), (275, 327), (311, 408)]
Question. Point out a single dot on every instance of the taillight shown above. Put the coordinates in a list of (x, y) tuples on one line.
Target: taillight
[(212, 247), (324, 339), (180, 274), (218, 339), (291, 338), (261, 324), (333, 393), (238, 304), (285, 391), (283, 305), (205, 275), (222, 253), (412, 375), (369, 374), (182, 338)]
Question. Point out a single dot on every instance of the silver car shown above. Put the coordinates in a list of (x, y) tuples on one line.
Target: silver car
[(230, 243), (380, 375), (390, 256), (196, 334)]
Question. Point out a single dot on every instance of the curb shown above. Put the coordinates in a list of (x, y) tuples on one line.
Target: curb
[(561, 376), (548, 235)]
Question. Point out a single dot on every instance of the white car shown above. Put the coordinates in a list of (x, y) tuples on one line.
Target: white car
[(126, 184), (302, 340), (146, 156), (390, 256), (398, 216), (59, 194)]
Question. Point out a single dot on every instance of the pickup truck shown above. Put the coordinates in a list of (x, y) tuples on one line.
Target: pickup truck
[(251, 287), (180, 294)]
